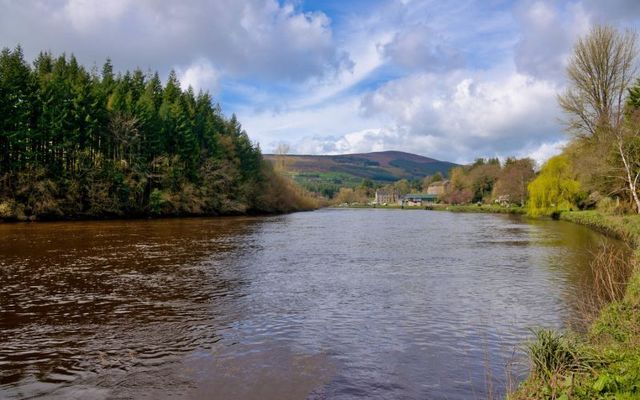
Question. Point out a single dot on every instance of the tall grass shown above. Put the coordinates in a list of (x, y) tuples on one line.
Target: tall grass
[(611, 268), (555, 357)]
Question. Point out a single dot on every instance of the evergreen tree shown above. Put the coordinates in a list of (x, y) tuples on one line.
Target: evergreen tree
[(78, 142)]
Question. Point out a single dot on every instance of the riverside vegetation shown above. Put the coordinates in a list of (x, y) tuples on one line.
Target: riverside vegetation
[(599, 168), (603, 363), (77, 144)]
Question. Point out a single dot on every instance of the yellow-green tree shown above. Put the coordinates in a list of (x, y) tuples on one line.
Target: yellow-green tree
[(555, 188)]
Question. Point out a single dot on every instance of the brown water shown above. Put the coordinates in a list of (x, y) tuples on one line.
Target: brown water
[(336, 304)]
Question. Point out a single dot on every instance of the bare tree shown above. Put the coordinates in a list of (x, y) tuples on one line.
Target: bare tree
[(600, 72), (281, 151), (126, 135)]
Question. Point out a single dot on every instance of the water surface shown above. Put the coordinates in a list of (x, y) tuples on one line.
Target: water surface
[(337, 304)]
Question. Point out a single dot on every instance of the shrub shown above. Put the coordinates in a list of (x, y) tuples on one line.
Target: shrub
[(7, 209), (157, 201), (553, 354), (607, 205)]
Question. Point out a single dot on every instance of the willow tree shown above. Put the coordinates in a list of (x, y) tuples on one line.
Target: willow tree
[(554, 189), (600, 72)]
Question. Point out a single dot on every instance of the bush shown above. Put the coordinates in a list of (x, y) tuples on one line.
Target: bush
[(156, 202), (37, 192), (607, 205), (551, 354), (7, 210), (280, 194)]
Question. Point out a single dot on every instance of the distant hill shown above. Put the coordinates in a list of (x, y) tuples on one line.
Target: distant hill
[(327, 174), (384, 166)]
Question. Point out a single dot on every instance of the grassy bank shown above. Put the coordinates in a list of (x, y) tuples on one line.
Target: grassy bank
[(604, 363), (484, 208)]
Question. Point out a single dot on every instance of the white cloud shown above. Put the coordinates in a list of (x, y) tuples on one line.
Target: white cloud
[(548, 31), (362, 141), (301, 127), (612, 10), (418, 47), (484, 110), (200, 75), (256, 39), (544, 151), (85, 15)]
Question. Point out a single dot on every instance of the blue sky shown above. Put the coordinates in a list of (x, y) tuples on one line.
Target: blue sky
[(453, 80)]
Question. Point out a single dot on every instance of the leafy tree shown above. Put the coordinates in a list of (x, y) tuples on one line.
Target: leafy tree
[(513, 180), (430, 179), (482, 178), (460, 188), (402, 187), (600, 73), (554, 189)]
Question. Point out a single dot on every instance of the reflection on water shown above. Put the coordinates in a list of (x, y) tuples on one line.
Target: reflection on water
[(329, 304)]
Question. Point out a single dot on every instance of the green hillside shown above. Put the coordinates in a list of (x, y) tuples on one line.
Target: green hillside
[(326, 174)]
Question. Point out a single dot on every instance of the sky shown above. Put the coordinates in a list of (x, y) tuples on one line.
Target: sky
[(452, 80)]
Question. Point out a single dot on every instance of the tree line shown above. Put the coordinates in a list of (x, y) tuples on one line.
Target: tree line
[(484, 181), (600, 167), (75, 142)]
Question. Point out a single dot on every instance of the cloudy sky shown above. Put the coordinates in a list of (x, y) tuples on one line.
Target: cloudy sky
[(452, 80)]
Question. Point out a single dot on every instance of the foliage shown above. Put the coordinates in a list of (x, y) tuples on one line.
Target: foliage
[(403, 187), (600, 104), (513, 179), (430, 179), (607, 205), (553, 354), (351, 196), (554, 189), (480, 208), (487, 179), (483, 176), (77, 143)]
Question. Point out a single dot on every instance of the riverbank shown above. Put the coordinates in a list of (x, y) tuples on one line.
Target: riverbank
[(473, 208), (604, 363)]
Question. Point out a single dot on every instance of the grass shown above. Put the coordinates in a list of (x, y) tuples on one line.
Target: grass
[(603, 363), (483, 208)]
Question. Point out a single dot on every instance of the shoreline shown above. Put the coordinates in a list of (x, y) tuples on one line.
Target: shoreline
[(483, 208), (612, 338), (142, 217)]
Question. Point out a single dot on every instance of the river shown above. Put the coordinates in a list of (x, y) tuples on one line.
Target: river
[(337, 304)]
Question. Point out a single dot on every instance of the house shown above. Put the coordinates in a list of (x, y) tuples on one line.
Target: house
[(438, 188), (384, 196), (417, 199)]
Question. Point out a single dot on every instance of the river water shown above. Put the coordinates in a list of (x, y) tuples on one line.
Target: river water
[(337, 304)]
